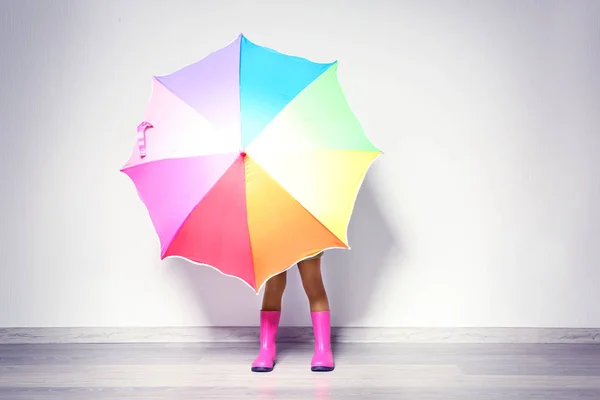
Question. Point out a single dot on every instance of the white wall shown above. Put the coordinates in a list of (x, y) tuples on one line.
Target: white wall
[(484, 211)]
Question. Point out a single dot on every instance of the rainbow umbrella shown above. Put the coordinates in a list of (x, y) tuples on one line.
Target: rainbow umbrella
[(249, 161)]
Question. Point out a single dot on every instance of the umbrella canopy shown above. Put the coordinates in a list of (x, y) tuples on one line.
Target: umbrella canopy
[(249, 161)]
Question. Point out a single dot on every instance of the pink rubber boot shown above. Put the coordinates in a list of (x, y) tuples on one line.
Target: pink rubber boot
[(269, 323), (322, 360)]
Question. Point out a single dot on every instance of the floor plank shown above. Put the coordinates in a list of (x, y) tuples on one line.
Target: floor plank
[(373, 371)]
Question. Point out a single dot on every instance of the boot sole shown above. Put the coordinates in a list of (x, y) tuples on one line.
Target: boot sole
[(322, 369), (263, 369)]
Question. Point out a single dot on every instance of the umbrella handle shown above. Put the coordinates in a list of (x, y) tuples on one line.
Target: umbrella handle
[(141, 136)]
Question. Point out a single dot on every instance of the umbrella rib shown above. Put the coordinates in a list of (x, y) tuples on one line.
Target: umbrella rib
[(145, 163), (298, 202), (359, 184), (158, 79), (290, 103)]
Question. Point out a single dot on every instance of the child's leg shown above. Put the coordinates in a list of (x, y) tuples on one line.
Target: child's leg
[(310, 272), (274, 289), (312, 281)]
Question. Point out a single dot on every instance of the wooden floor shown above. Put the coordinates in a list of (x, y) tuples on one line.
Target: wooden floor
[(364, 371)]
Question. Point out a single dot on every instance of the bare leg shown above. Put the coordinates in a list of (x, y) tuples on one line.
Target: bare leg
[(312, 281), (274, 289)]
